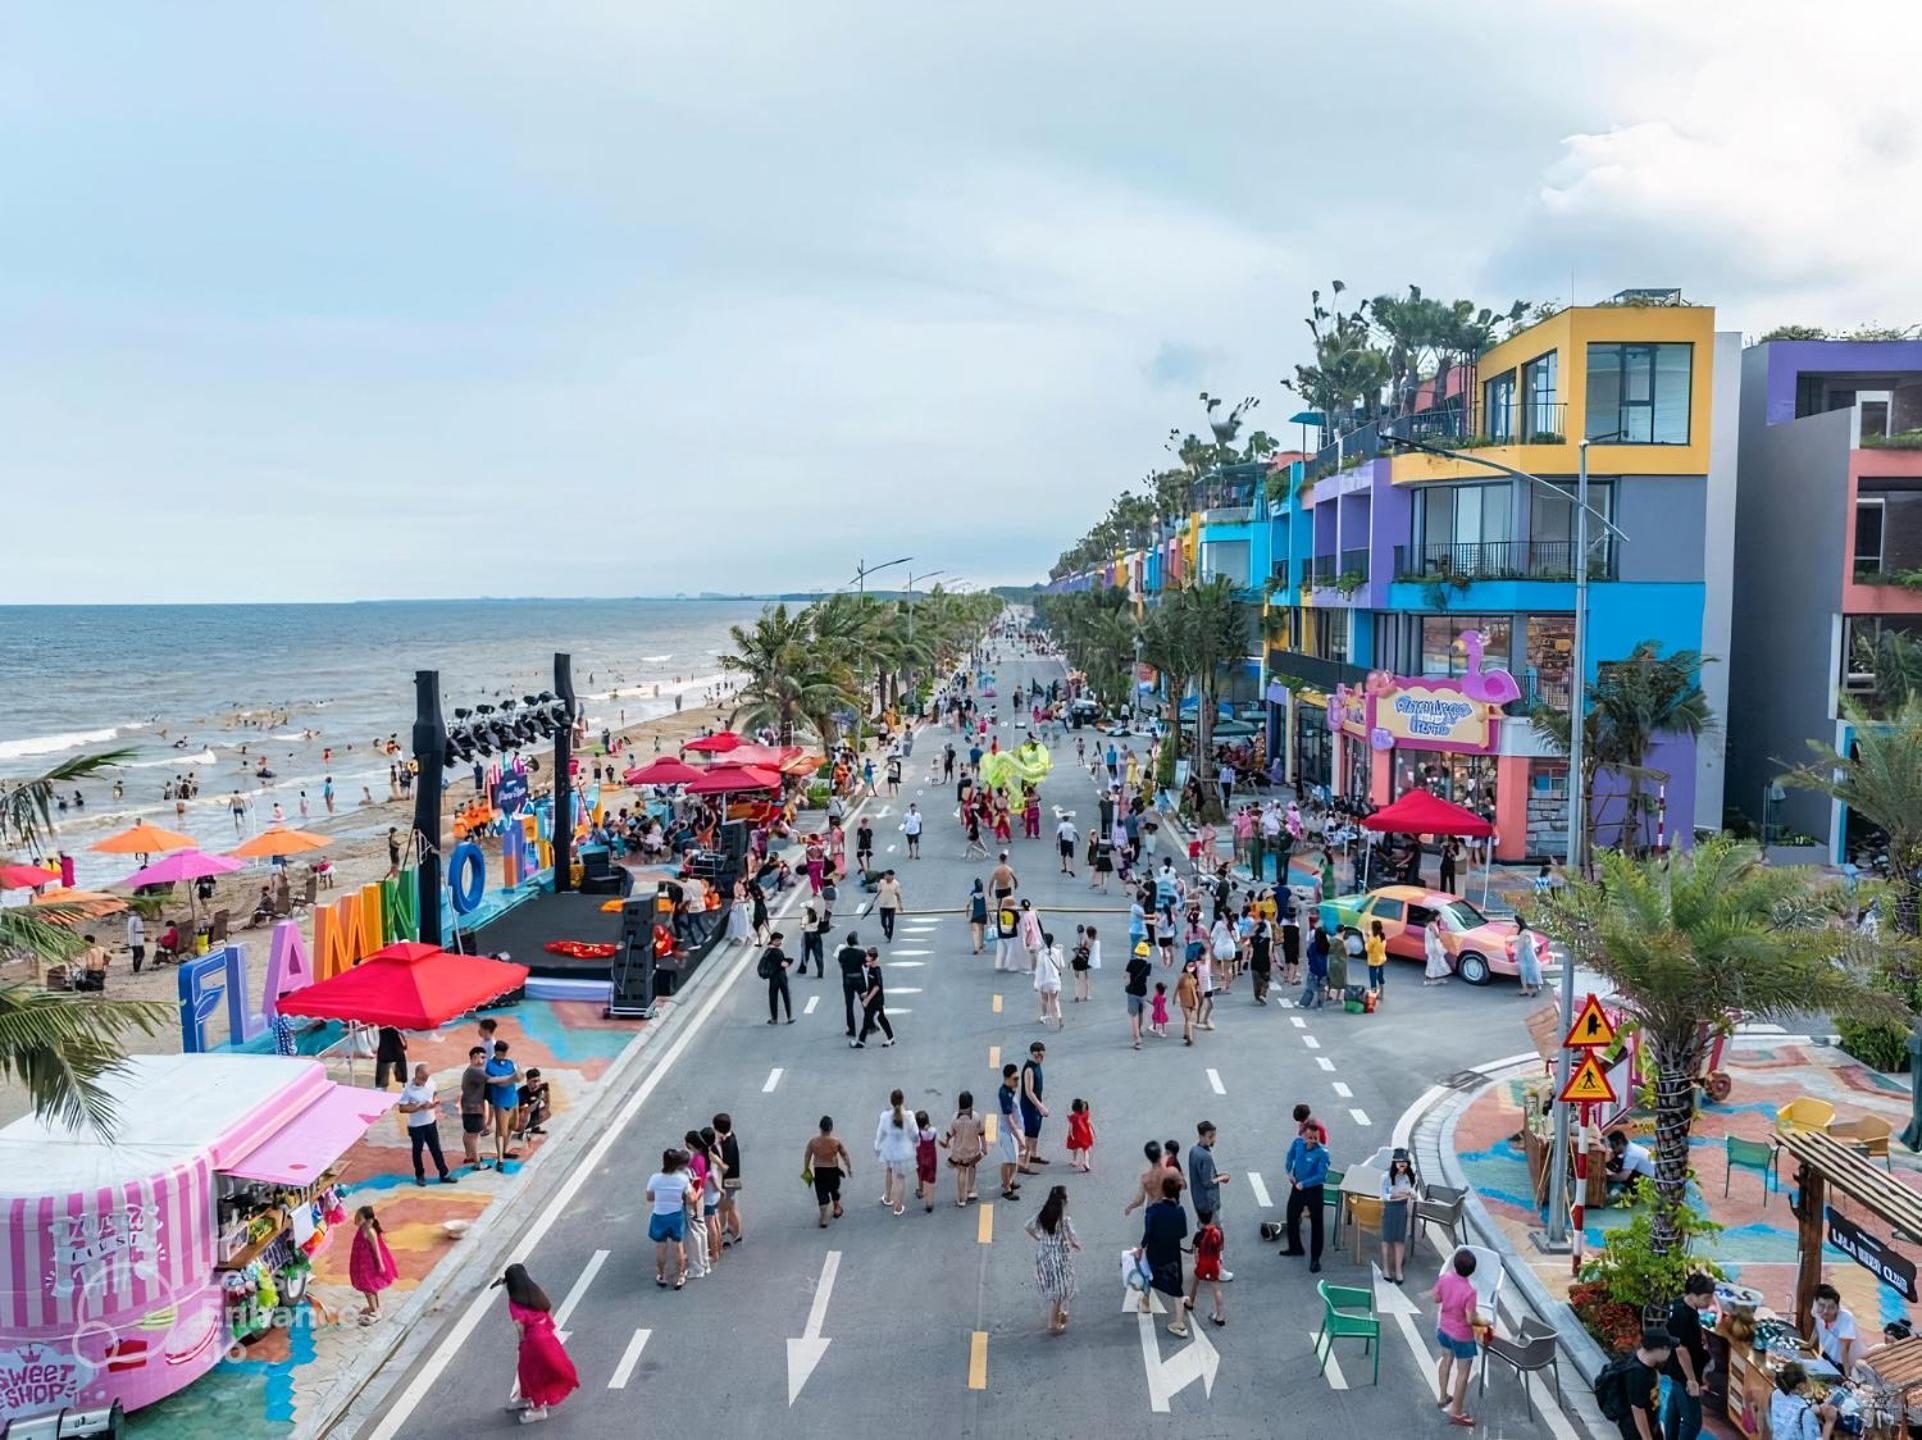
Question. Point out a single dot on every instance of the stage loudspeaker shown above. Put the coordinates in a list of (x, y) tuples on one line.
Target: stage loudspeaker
[(734, 843), (632, 971)]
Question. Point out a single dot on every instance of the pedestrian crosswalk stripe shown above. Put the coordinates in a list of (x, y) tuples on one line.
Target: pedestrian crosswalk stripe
[(1360, 1117), (1332, 1371), (1343, 1091), (994, 1057), (906, 990), (630, 1357), (1260, 1189), (773, 1079), (1311, 1042), (1298, 1022), (910, 952), (1324, 1062), (1214, 1081), (813, 1000)]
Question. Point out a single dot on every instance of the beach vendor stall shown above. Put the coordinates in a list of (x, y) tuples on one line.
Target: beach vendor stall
[(133, 1264)]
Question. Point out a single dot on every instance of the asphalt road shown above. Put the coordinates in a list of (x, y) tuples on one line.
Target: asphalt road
[(933, 1322)]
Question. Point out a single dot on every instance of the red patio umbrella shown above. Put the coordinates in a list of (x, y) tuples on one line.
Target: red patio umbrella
[(1422, 812), (727, 779), (26, 877), (717, 744), (409, 986), (663, 771), (768, 757)]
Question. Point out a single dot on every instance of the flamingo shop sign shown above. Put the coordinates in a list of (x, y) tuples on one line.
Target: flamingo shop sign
[(1419, 712)]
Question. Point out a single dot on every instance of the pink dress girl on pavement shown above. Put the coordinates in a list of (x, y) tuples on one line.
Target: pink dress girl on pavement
[(370, 1265)]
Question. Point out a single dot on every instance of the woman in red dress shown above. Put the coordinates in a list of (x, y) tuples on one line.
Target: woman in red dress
[(545, 1373)]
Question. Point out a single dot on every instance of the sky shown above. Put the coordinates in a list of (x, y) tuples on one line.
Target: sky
[(439, 299)]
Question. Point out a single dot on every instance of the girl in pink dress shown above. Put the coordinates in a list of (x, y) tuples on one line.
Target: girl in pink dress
[(370, 1265), (545, 1373)]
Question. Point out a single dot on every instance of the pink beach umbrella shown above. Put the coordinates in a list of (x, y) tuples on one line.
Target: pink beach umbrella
[(188, 865)]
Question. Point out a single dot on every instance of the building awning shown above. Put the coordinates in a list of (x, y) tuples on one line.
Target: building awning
[(298, 1152)]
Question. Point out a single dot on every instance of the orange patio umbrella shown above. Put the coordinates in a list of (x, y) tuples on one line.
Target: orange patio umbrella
[(144, 839), (278, 840), (79, 904)]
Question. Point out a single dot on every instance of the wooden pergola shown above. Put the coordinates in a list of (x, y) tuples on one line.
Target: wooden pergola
[(1826, 1161)]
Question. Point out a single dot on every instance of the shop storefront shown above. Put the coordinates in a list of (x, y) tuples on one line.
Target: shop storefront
[(1314, 754), (137, 1264)]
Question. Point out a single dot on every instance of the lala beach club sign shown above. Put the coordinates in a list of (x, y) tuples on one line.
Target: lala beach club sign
[(1460, 714)]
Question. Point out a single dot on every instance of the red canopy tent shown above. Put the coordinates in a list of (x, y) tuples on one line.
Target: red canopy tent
[(727, 779), (409, 986), (717, 744), (1422, 812), (664, 771), (768, 757)]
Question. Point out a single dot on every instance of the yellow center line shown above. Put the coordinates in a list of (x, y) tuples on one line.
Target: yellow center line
[(978, 1361), (990, 1128), (985, 1233), (994, 1057), (997, 1004)]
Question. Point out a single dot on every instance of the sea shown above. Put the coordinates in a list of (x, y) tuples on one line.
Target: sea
[(207, 690)]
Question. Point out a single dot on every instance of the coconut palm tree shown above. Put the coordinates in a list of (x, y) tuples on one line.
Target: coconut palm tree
[(787, 685), (58, 1046), (1880, 779), (1692, 941), (1632, 703), (1214, 624)]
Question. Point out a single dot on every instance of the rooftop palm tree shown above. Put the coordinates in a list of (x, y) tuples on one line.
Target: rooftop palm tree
[(58, 1047), (1692, 941)]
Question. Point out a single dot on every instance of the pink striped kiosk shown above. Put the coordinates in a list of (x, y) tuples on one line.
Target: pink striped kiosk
[(120, 1256)]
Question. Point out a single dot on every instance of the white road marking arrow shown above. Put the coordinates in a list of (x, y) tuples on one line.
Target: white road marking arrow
[(1196, 1360), (805, 1353), (1393, 1300)]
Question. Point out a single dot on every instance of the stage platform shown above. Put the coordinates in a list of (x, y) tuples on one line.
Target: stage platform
[(524, 931)]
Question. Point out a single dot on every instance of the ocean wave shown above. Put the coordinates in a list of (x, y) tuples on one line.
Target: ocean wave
[(55, 744), (657, 659), (178, 759)]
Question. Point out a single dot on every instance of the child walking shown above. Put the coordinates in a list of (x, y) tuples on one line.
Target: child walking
[(926, 1160), (370, 1266), (1158, 1011), (1081, 1136), (1209, 1242)]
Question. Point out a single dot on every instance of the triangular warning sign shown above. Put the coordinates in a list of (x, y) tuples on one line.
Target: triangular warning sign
[(1589, 1084), (1591, 1028)]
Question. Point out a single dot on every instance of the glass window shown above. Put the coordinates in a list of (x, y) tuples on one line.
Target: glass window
[(1442, 652), (1551, 531), (1550, 641), (1869, 515), (1639, 394), (1542, 415), (1498, 407), (1331, 633), (1386, 910)]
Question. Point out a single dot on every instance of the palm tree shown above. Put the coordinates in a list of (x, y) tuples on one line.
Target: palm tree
[(787, 685), (1632, 703), (58, 1047), (1691, 941), (1880, 779), (1214, 624)]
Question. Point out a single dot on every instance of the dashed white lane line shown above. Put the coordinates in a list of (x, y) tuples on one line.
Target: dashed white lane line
[(1311, 1042), (1324, 1062), (1214, 1081), (1360, 1117), (1332, 1371), (906, 951), (813, 1000), (901, 965), (1298, 1022), (1260, 1189), (588, 1273), (773, 1079), (906, 990), (1343, 1091), (890, 849), (630, 1357)]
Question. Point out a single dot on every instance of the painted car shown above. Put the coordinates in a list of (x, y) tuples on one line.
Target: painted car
[(1480, 948)]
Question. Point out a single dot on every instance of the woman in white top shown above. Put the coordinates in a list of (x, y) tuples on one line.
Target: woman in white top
[(1047, 979), (1398, 1196), (1435, 953), (894, 1142)]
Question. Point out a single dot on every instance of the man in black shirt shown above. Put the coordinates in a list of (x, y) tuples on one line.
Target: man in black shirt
[(1682, 1412), (1641, 1387), (773, 969), (1138, 972), (853, 961), (730, 1144)]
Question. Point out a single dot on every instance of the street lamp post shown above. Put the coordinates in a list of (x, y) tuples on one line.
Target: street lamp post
[(1556, 1236)]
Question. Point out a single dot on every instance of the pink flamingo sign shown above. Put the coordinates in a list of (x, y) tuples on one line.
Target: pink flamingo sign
[(1461, 714)]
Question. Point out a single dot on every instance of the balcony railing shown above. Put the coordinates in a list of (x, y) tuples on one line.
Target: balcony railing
[(1322, 674), (1307, 573), (1522, 422), (1355, 563), (1469, 560), (1324, 570)]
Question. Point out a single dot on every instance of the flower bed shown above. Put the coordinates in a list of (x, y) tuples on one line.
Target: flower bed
[(1615, 1325)]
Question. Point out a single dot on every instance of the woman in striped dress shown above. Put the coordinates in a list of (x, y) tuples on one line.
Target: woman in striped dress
[(1055, 1243)]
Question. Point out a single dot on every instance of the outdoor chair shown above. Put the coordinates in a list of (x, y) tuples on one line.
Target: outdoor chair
[(1364, 1218), (1331, 1197), (217, 932), (1870, 1135), (1756, 1155), (1805, 1113), (1535, 1349), (1347, 1314), (1440, 1205)]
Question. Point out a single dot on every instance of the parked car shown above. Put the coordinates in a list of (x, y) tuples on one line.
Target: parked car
[(1481, 948)]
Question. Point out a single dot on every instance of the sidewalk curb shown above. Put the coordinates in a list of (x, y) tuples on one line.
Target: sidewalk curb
[(481, 1252), (1430, 1124)]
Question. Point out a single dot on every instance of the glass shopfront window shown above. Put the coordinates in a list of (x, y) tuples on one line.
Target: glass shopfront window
[(1314, 746), (1550, 656), (1358, 768), (1442, 652), (1465, 780)]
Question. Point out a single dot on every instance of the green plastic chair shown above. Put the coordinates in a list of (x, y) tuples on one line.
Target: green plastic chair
[(1347, 1314), (1331, 1197), (1751, 1155)]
